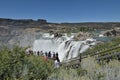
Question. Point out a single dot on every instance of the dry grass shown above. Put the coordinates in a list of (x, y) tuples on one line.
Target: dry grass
[(90, 70)]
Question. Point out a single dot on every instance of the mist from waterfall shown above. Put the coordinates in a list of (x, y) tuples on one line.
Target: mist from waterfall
[(66, 46)]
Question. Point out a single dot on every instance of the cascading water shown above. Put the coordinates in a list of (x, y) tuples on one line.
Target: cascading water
[(66, 46)]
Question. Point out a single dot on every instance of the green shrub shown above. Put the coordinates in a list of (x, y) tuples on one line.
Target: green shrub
[(14, 64)]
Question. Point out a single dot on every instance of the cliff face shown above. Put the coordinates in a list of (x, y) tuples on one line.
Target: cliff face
[(15, 36), (24, 32), (21, 22), (20, 32)]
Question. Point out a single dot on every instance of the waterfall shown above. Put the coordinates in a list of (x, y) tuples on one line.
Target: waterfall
[(66, 46)]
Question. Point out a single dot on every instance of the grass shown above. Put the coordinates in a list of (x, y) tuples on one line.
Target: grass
[(90, 70)]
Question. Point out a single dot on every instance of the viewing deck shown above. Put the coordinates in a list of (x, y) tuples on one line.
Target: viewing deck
[(105, 54)]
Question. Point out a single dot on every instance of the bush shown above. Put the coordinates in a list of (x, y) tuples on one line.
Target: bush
[(14, 64)]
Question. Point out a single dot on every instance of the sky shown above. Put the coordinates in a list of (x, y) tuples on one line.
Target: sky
[(62, 10)]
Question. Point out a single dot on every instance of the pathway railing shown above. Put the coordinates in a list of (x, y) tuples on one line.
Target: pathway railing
[(110, 53)]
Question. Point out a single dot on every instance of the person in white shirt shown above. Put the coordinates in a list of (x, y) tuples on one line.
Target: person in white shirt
[(57, 62)]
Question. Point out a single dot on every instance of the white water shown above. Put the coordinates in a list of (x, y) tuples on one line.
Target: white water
[(66, 46)]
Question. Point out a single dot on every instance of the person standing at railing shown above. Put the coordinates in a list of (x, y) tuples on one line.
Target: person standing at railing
[(45, 56), (49, 54), (54, 56), (38, 53), (80, 57), (56, 61)]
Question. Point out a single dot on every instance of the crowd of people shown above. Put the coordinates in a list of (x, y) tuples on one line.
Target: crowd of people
[(47, 55)]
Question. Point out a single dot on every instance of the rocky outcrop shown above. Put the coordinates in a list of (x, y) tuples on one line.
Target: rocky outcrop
[(112, 32), (82, 35), (42, 21)]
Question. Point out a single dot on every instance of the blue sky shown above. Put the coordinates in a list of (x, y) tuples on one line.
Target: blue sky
[(62, 10)]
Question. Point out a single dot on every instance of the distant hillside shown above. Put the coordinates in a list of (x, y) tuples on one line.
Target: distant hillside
[(41, 22), (25, 31), (22, 22)]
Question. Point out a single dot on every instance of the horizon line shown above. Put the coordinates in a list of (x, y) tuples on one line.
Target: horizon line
[(63, 21)]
